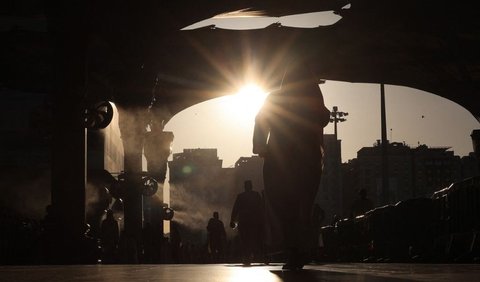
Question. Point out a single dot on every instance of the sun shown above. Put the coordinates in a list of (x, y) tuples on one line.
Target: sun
[(242, 106)]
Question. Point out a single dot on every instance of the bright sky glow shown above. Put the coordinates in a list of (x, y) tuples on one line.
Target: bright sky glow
[(242, 107)]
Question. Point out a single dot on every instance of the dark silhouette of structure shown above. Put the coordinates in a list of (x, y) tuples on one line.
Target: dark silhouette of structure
[(248, 214), (109, 236), (332, 198), (292, 120), (216, 236)]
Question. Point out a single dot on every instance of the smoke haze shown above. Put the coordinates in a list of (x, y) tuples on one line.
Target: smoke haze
[(194, 207)]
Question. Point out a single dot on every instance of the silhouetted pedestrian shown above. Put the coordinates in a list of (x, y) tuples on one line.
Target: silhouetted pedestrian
[(175, 241), (109, 238), (148, 239), (288, 134), (216, 236), (318, 215), (362, 204), (248, 213), (49, 252)]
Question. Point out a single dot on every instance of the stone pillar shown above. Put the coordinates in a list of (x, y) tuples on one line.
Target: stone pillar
[(68, 186), (69, 40), (132, 122)]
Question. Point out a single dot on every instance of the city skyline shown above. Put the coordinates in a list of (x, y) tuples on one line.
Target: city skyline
[(413, 116)]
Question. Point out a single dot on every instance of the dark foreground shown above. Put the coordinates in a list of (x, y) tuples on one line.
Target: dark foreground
[(233, 272)]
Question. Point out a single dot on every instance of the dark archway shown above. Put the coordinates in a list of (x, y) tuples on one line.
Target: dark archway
[(116, 50)]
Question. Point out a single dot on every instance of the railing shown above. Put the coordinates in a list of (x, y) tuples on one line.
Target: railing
[(443, 228)]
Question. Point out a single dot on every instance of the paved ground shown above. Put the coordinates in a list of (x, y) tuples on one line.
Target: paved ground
[(234, 273)]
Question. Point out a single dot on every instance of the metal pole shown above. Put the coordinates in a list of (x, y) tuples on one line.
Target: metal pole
[(385, 188)]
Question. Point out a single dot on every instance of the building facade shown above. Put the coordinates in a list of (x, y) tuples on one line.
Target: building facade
[(412, 172), (330, 196), (249, 168), (198, 187)]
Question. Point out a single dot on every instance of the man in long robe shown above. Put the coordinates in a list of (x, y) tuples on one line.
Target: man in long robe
[(288, 134)]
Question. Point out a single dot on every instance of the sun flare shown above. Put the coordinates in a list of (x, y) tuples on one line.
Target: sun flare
[(244, 105)]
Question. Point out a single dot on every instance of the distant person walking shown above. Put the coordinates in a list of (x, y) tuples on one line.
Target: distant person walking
[(318, 215), (247, 213), (217, 236), (109, 237), (362, 204), (175, 241)]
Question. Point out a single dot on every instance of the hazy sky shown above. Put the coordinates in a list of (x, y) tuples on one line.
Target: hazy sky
[(413, 116)]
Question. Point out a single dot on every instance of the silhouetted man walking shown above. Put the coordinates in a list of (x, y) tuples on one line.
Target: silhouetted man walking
[(109, 237), (288, 134), (216, 236), (248, 213)]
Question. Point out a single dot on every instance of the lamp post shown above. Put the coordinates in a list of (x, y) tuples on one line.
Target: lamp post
[(336, 157), (335, 117)]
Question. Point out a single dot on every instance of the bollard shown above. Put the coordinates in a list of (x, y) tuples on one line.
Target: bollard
[(476, 145)]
